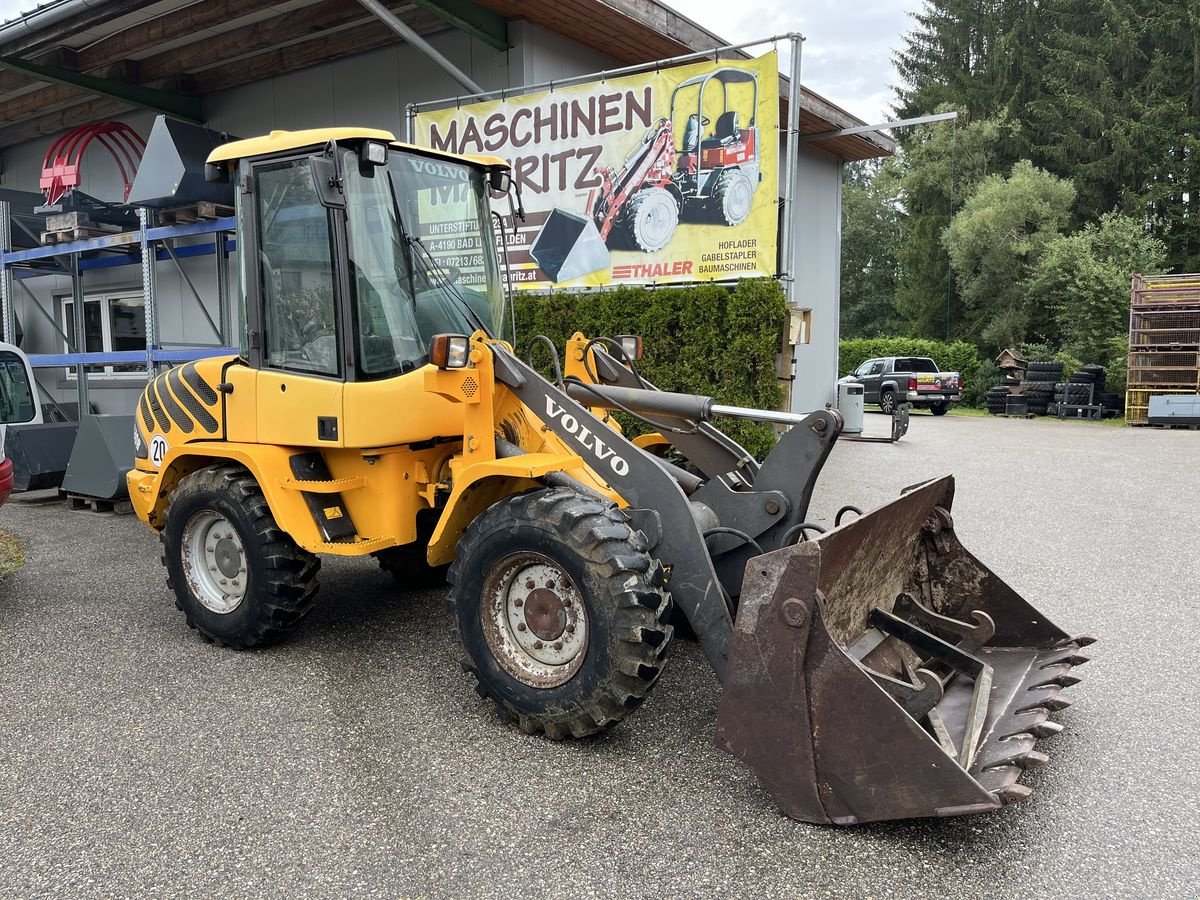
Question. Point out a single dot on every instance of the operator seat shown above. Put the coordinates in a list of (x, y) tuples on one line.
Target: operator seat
[(726, 131)]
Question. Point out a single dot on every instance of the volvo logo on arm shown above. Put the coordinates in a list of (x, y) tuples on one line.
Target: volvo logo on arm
[(586, 438)]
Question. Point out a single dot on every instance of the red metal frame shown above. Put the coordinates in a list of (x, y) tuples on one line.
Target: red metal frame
[(650, 164), (60, 167)]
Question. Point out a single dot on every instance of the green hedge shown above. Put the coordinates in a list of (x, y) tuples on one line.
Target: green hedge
[(956, 356), (709, 340)]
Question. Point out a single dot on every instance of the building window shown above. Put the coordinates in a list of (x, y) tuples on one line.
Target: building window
[(111, 322)]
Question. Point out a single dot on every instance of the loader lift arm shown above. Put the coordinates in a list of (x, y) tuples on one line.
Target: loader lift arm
[(706, 598)]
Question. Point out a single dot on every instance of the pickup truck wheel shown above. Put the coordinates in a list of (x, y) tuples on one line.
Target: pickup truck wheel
[(940, 409), (887, 401)]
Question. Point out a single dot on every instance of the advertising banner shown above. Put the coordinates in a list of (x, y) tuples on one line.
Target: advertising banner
[(662, 177)]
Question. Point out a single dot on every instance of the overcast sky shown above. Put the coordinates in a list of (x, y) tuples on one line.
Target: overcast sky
[(847, 57)]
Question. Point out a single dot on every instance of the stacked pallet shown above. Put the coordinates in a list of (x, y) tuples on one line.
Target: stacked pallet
[(1164, 341)]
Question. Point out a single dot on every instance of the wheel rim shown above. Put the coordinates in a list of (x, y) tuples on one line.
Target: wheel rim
[(738, 197), (656, 220), (214, 562), (534, 620), (887, 401)]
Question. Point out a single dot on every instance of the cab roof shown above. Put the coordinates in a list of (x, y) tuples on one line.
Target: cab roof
[(282, 141)]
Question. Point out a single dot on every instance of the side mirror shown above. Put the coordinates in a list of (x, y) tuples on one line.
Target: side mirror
[(326, 182)]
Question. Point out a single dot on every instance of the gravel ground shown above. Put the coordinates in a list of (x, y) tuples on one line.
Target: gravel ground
[(356, 760)]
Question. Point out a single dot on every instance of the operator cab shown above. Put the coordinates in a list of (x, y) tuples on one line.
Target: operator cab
[(355, 250)]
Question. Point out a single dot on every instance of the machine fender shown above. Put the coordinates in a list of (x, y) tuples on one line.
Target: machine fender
[(479, 485), (150, 491)]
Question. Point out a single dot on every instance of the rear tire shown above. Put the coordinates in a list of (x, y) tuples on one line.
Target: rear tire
[(887, 401), (238, 578), (939, 409), (410, 567), (732, 197), (561, 611), (409, 564), (648, 221)]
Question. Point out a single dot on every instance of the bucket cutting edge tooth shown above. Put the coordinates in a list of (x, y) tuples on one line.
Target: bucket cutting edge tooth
[(1082, 640), (1030, 759), (1062, 681), (1037, 731), (1046, 729), (1075, 659), (1012, 793)]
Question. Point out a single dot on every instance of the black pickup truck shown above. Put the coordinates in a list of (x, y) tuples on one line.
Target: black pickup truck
[(891, 380)]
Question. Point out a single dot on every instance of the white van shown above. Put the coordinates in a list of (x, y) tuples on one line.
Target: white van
[(18, 404)]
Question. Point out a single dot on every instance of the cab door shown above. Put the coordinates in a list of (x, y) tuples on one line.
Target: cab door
[(300, 328)]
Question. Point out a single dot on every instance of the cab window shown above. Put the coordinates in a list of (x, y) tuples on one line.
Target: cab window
[(863, 369), (876, 368), (296, 254), (16, 393)]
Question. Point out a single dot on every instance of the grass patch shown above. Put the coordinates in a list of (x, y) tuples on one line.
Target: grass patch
[(1117, 422), (968, 411), (12, 554)]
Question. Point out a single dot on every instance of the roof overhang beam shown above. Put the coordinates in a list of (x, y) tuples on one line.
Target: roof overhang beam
[(478, 21), (180, 106)]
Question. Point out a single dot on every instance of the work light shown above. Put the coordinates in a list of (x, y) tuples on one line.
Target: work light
[(631, 345), (450, 351)]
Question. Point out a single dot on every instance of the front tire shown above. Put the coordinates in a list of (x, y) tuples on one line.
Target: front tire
[(238, 578), (887, 402), (561, 611)]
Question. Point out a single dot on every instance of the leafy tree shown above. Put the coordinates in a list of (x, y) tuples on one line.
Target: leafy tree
[(940, 168), (871, 235), (1083, 279), (995, 243)]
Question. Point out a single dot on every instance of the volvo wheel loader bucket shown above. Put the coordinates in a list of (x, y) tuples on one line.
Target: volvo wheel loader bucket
[(569, 246), (882, 672)]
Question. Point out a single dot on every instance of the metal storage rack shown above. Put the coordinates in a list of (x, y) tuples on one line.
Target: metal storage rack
[(144, 247), (1164, 341)]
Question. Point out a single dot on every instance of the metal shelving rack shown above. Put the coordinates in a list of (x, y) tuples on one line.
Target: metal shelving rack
[(1164, 341), (144, 247)]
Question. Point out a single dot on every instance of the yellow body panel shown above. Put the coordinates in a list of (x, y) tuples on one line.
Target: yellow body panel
[(290, 404), (397, 411), (183, 405), (241, 410)]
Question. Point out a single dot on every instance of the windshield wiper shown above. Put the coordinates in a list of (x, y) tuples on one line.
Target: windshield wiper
[(446, 284), (435, 267)]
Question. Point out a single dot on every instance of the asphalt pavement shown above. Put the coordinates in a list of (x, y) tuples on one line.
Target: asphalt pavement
[(356, 760)]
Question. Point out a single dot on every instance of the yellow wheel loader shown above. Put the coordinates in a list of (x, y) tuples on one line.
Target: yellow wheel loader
[(377, 407)]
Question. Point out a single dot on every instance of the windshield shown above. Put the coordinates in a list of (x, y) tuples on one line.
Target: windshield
[(430, 270)]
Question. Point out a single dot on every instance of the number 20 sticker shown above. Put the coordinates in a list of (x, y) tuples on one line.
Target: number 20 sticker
[(158, 450)]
